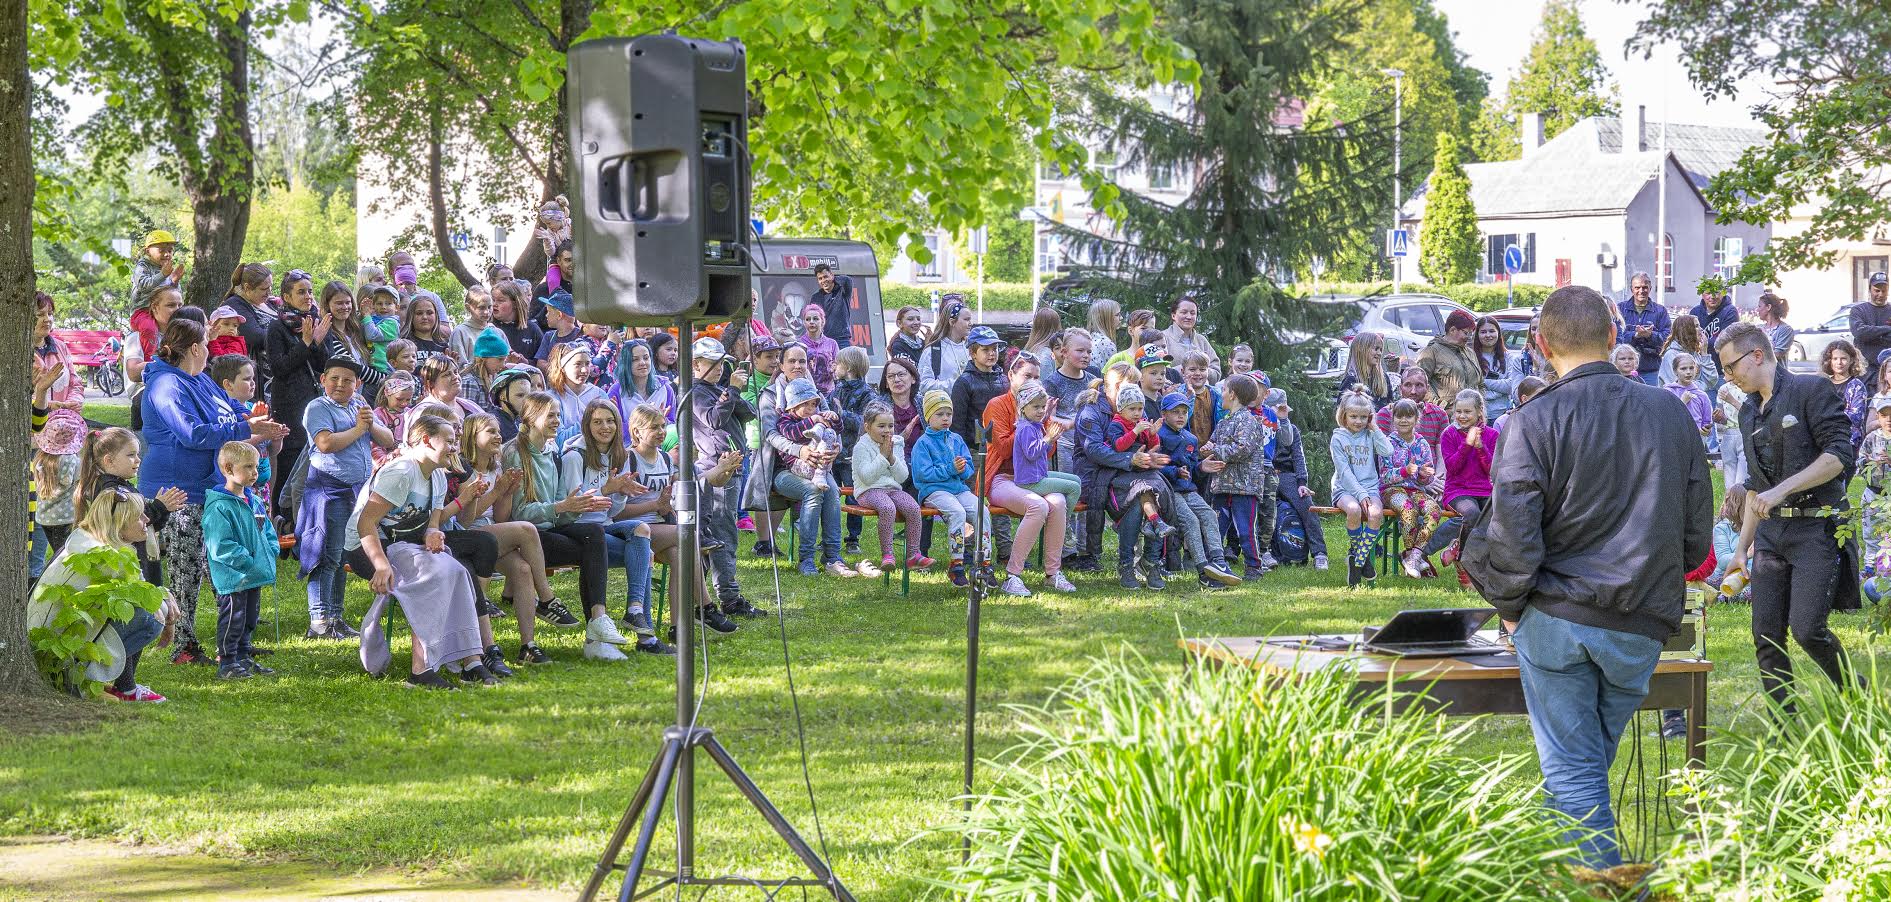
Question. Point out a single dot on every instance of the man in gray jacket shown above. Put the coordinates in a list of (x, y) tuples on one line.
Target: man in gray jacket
[(1602, 503)]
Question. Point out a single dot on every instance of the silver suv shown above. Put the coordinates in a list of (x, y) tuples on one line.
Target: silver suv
[(1408, 322)]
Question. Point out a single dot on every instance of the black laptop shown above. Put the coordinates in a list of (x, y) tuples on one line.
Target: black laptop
[(1437, 633)]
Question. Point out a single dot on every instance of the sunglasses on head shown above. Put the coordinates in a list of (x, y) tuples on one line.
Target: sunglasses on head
[(296, 275)]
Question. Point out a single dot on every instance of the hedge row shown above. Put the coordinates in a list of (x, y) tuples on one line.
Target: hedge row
[(1481, 297), (998, 296)]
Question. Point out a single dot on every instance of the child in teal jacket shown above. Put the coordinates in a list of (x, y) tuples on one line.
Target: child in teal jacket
[(240, 544)]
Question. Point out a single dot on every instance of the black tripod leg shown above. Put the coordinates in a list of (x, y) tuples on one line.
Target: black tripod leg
[(652, 812), (753, 793), (616, 845)]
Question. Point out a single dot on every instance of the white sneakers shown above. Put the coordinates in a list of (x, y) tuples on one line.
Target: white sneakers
[(867, 569), (601, 630), (1058, 583), (1014, 585), (603, 651), (840, 569)]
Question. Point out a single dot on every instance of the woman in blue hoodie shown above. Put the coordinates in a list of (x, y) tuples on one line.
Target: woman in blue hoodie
[(187, 418)]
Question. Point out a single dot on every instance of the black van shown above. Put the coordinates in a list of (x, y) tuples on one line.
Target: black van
[(783, 274)]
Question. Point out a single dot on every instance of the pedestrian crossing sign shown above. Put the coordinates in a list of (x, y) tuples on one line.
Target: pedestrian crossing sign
[(1398, 242)]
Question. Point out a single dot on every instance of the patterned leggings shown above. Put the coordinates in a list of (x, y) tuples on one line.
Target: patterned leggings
[(1418, 514), (885, 504), (184, 565)]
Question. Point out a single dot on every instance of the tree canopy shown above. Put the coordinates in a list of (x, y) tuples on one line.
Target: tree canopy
[(1448, 241), (1828, 121), (1269, 191), (1562, 78)]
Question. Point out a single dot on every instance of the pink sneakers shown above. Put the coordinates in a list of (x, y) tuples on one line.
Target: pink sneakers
[(138, 693)]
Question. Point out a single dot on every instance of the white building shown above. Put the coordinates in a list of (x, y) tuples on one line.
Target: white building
[(1585, 207), (1818, 295)]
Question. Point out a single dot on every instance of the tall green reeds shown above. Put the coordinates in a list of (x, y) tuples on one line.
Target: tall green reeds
[(1213, 785), (1799, 806)]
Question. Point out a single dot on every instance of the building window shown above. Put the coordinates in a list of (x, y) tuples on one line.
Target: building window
[(1161, 177), (1727, 254), (1105, 163), (929, 271), (1862, 268), (1664, 262), (499, 245), (1494, 252), (1047, 253)]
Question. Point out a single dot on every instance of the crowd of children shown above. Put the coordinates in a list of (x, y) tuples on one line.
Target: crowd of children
[(518, 439)]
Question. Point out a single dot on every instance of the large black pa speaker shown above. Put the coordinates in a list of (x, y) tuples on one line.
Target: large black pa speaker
[(659, 178)]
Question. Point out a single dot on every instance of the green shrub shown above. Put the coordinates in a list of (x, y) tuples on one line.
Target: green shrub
[(1797, 811), (1481, 297), (998, 296), (1209, 784), (114, 587)]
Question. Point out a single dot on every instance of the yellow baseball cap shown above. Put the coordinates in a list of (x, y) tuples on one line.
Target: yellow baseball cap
[(159, 236)]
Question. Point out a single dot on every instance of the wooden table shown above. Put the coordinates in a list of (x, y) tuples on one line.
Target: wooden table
[(1457, 686)]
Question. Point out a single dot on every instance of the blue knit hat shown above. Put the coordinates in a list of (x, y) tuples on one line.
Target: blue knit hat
[(490, 342)]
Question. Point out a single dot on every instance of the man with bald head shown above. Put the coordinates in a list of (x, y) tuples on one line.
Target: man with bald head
[(1584, 554)]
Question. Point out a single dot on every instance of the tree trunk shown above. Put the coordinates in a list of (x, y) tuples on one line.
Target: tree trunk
[(574, 16), (18, 675), (219, 187), (436, 195)]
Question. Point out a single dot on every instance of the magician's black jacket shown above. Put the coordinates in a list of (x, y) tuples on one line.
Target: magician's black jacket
[(1805, 420), (1602, 502)]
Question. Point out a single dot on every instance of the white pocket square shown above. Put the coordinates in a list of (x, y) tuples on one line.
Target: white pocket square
[(1788, 421)]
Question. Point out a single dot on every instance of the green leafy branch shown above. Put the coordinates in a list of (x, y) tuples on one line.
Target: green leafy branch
[(112, 591)]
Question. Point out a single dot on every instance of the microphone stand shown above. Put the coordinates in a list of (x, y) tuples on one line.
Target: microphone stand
[(975, 596)]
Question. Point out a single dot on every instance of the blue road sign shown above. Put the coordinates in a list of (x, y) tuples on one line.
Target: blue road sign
[(1398, 242), (1513, 259)]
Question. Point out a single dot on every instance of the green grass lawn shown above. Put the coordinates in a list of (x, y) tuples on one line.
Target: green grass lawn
[(525, 780)]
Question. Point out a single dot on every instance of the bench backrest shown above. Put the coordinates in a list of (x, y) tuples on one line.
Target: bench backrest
[(90, 347)]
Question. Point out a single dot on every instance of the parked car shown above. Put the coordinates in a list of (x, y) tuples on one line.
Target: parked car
[(1809, 344), (1407, 321), (1515, 323)]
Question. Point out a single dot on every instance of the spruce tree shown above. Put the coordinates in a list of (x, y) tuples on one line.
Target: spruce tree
[(1448, 237), (1267, 192)]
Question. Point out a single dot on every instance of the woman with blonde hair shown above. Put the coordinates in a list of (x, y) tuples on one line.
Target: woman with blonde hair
[(568, 378), (565, 541), (1045, 325), (1104, 318), (116, 519), (1365, 369)]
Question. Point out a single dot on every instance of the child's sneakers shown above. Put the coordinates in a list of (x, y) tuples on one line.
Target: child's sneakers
[(1059, 583), (554, 612), (191, 654), (603, 651), (840, 569), (956, 573), (1014, 586), (1320, 564), (601, 629), (746, 524), (235, 670), (1162, 531), (429, 679), (869, 571), (807, 568), (1219, 573), (919, 562), (138, 693)]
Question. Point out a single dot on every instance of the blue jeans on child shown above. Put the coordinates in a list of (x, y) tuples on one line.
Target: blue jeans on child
[(820, 513), (623, 545), (327, 583), (1581, 685)]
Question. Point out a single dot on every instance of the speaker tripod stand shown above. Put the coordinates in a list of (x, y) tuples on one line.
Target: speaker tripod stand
[(673, 772)]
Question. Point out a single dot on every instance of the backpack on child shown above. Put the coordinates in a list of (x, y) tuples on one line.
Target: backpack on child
[(1290, 538)]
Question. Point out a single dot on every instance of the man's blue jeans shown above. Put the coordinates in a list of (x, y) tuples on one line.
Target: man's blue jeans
[(1581, 685)]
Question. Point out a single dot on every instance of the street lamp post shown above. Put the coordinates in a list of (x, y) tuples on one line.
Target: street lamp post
[(1398, 141)]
